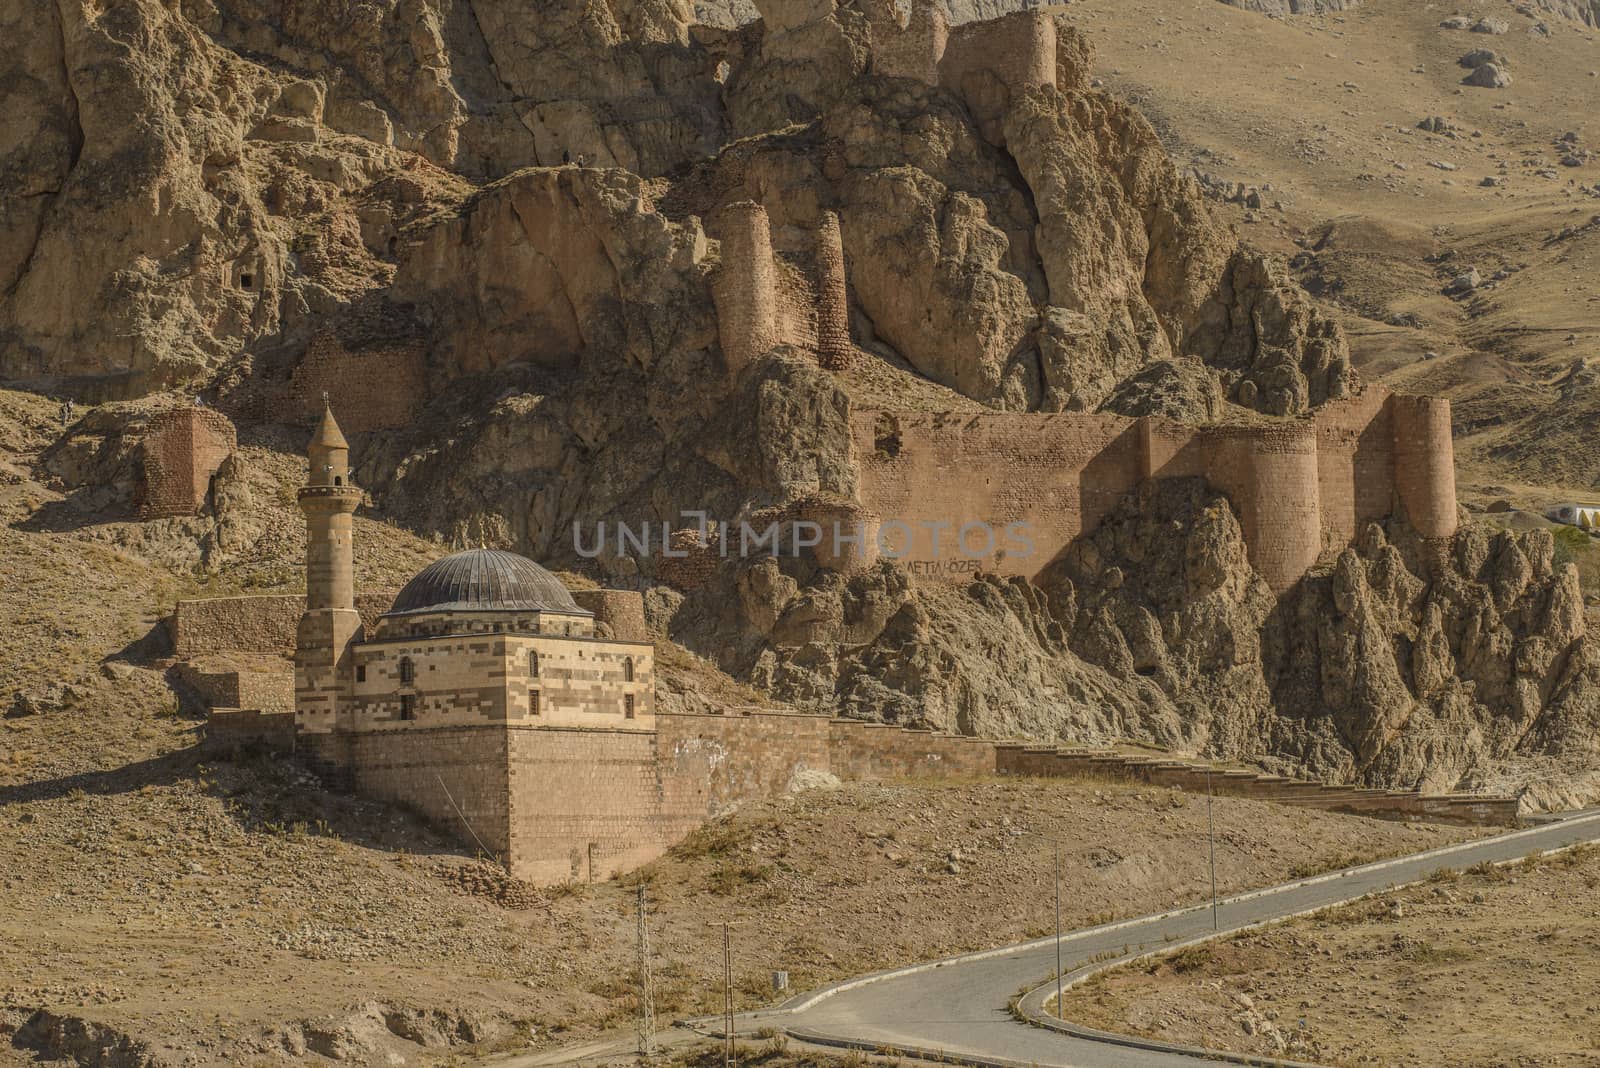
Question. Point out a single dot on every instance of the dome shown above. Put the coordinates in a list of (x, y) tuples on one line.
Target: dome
[(484, 580)]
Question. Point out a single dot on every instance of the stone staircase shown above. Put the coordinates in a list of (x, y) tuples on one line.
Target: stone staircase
[(1116, 766)]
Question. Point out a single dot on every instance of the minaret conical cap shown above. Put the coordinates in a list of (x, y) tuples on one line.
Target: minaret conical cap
[(328, 435)]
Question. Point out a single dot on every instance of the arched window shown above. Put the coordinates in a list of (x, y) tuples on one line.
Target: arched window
[(533, 664), (627, 669), (408, 671)]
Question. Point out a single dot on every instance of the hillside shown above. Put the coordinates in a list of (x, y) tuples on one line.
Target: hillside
[(190, 908), (1383, 978)]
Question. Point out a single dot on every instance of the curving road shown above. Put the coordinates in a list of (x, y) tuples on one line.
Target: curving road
[(961, 1007)]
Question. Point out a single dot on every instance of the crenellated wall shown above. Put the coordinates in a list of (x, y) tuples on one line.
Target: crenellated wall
[(1299, 486), (183, 447)]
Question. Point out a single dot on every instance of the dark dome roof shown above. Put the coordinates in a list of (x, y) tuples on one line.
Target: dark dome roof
[(484, 580)]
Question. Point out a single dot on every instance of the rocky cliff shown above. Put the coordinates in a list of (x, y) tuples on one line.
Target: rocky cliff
[(528, 203)]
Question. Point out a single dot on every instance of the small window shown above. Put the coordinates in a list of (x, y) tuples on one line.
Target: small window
[(499, 627), (408, 706), (627, 706), (627, 669), (408, 671), (533, 702), (246, 280), (361, 673), (338, 480), (533, 664)]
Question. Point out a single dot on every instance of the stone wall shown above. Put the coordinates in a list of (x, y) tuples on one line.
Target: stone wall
[(744, 288), (1059, 474), (224, 686), (585, 804), (622, 611), (588, 803), (911, 49), (433, 771), (183, 447), (371, 388), (1424, 464), (990, 62), (1301, 487), (250, 726), (255, 623), (834, 350)]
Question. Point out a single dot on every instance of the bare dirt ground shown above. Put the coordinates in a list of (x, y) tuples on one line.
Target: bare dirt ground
[(1379, 216), (216, 911), (1491, 967)]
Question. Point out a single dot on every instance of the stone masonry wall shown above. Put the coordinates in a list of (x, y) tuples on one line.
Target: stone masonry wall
[(911, 49), (744, 289), (989, 63), (834, 351), (620, 610), (183, 447), (585, 804), (256, 623), (371, 388), (435, 770), (1300, 487)]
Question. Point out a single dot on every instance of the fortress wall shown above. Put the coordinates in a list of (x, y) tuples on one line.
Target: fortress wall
[(1424, 461), (834, 350), (258, 623), (913, 50), (841, 524), (1060, 474), (744, 289), (866, 751), (621, 610), (183, 447), (584, 804), (1355, 463), (795, 300), (1019, 50), (221, 686), (1271, 475), (372, 389)]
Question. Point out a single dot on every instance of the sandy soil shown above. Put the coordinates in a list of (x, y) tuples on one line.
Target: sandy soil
[(1488, 968)]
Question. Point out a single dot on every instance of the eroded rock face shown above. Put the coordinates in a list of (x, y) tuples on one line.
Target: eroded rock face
[(1402, 664)]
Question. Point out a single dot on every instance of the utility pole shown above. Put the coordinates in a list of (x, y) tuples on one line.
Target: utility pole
[(1211, 837), (647, 994), (1056, 841), (728, 1059), (1058, 927)]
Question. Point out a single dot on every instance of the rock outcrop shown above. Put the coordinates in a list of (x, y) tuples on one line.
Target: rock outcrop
[(245, 202)]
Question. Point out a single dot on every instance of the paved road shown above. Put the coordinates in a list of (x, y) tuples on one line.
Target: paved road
[(961, 1006)]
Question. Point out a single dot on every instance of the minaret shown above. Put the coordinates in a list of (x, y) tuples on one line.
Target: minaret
[(323, 673)]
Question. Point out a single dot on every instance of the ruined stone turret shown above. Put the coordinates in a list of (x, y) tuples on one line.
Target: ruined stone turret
[(744, 287), (1424, 464), (834, 350)]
